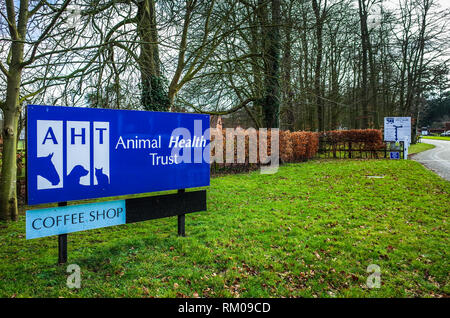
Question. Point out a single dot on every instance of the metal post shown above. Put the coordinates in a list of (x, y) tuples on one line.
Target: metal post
[(62, 243), (62, 248), (181, 220), (404, 150)]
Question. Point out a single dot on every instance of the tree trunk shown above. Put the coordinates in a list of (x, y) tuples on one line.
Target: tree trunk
[(288, 95), (317, 73), (364, 47), (334, 114), (309, 120), (374, 88), (271, 101), (153, 93), (11, 110)]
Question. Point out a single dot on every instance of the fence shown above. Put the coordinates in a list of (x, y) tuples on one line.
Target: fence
[(356, 150)]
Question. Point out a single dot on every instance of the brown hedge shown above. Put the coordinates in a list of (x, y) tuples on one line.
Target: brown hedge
[(367, 139), (293, 146), (305, 145)]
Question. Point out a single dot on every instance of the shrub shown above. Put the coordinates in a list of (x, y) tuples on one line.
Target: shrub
[(305, 145), (312, 145), (293, 147), (365, 139), (346, 142), (286, 146)]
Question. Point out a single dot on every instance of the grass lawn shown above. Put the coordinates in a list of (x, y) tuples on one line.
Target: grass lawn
[(419, 147), (310, 230), (437, 137), (21, 144)]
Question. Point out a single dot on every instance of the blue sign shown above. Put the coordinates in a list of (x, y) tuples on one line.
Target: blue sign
[(68, 219), (394, 155), (80, 153)]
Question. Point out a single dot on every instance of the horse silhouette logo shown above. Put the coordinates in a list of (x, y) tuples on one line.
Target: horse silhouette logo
[(47, 169)]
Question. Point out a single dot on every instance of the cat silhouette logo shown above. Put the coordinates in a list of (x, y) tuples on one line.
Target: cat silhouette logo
[(72, 154)]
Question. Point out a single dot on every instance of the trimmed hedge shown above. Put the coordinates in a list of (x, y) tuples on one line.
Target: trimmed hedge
[(367, 139), (293, 146), (296, 146), (351, 143), (305, 145)]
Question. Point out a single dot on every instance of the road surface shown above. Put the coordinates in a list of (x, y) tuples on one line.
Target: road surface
[(436, 159)]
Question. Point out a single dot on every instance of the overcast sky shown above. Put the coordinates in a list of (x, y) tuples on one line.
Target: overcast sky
[(444, 3)]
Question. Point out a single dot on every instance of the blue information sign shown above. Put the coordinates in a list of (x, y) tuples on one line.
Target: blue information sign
[(80, 153), (68, 219), (394, 155)]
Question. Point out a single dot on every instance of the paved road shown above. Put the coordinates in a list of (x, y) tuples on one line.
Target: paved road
[(436, 159)]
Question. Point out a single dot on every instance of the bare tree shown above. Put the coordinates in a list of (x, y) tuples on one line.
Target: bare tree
[(20, 39)]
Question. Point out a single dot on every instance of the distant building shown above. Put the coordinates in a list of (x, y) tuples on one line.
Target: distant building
[(424, 131)]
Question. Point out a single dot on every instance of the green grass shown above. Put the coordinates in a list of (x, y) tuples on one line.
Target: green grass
[(21, 144), (437, 137), (310, 230), (419, 147)]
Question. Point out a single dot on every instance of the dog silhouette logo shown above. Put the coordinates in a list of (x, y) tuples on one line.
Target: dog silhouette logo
[(75, 175)]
